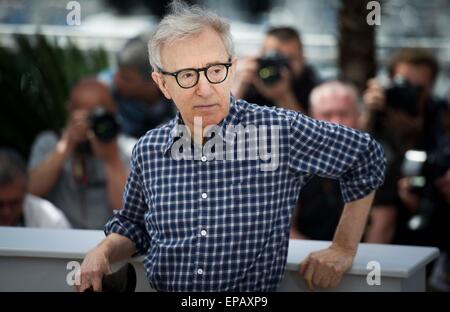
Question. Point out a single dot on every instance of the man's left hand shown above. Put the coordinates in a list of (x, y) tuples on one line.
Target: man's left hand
[(325, 268)]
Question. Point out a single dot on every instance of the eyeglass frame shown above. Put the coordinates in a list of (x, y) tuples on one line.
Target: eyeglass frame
[(198, 71)]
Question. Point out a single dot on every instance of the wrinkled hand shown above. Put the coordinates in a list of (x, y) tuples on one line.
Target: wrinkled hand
[(94, 267), (326, 267)]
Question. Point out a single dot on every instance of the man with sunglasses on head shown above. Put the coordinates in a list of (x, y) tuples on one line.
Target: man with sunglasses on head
[(214, 224)]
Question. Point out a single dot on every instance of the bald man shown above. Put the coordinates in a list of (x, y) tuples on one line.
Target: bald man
[(316, 217), (336, 102), (80, 174)]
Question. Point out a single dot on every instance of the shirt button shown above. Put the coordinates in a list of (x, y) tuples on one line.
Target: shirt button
[(200, 271), (204, 158), (203, 232), (204, 195)]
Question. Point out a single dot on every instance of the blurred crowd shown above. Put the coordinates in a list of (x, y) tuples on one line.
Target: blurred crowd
[(75, 178)]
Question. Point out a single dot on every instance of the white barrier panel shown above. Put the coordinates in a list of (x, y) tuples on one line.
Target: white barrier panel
[(37, 260)]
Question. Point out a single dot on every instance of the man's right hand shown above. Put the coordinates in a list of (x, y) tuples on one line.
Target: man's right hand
[(97, 263), (94, 267), (76, 129), (374, 98), (245, 76)]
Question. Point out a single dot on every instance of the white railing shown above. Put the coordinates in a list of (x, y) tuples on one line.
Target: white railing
[(37, 260)]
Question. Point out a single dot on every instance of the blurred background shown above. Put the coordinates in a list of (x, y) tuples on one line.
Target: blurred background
[(107, 24), (50, 51)]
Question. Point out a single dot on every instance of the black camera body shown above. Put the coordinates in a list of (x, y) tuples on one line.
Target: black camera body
[(423, 169), (404, 96), (270, 66), (104, 124)]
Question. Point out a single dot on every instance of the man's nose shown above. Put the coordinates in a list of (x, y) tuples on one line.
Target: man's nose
[(204, 87)]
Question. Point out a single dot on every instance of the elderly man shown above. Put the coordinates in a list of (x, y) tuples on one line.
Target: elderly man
[(214, 224), (78, 172), (316, 217)]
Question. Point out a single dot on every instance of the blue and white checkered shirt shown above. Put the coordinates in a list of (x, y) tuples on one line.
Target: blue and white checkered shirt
[(223, 225)]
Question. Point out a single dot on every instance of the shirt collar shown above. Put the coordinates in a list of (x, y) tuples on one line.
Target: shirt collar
[(231, 119)]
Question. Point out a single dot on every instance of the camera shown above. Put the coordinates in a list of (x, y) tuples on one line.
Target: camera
[(423, 169), (403, 95), (104, 124), (270, 66)]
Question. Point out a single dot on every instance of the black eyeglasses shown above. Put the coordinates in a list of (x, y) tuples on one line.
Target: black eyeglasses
[(188, 77)]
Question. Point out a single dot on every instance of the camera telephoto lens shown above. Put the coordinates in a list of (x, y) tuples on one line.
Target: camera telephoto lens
[(270, 66), (104, 124), (403, 95)]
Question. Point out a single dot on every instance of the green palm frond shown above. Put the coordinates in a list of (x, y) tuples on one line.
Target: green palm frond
[(35, 80)]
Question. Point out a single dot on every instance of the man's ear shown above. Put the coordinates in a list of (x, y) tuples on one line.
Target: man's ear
[(159, 80)]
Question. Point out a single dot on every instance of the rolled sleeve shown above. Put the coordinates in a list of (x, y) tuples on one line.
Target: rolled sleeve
[(366, 174), (334, 151), (130, 220)]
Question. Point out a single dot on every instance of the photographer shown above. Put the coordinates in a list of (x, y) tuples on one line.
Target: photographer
[(405, 116), (279, 76), (405, 112), (316, 217), (83, 171), (141, 106), (425, 192)]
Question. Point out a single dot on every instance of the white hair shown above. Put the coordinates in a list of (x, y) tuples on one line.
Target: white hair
[(335, 89), (184, 21)]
